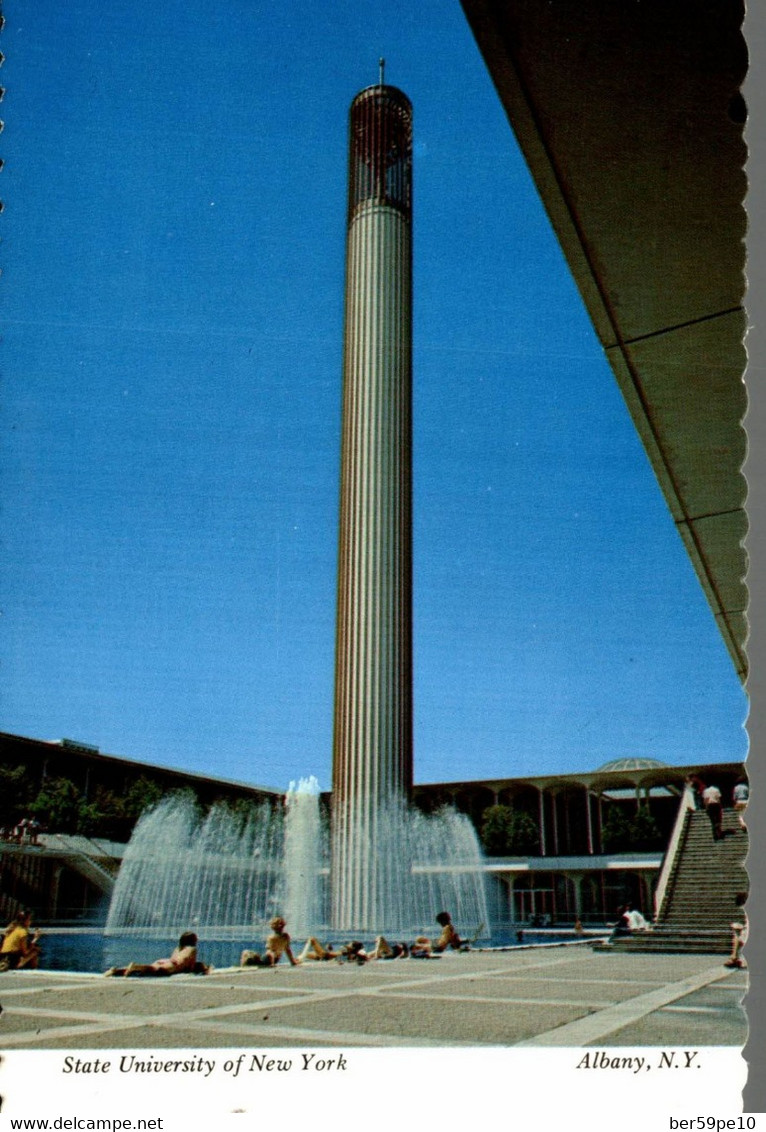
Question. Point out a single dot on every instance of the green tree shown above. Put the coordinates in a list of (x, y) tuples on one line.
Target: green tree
[(638, 831), (524, 835), (141, 795), (644, 831), (506, 832), (244, 807), (615, 831), (493, 832), (89, 819), (57, 805), (16, 792), (103, 815)]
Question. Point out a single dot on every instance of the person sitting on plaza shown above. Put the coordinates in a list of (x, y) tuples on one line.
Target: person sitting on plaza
[(183, 960), (354, 952), (20, 948), (622, 924), (739, 933), (740, 796), (385, 950), (635, 920), (278, 943), (425, 948), (449, 936), (313, 949)]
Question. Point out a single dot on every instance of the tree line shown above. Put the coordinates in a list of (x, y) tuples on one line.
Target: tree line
[(61, 806), (509, 832)]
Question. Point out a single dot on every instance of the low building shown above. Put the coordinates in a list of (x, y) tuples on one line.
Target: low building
[(88, 803), (561, 847), (591, 842)]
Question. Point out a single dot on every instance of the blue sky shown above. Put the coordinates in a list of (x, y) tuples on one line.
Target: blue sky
[(173, 274)]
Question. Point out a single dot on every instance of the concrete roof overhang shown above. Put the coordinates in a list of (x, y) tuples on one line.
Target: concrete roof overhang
[(13, 746), (669, 777), (630, 119)]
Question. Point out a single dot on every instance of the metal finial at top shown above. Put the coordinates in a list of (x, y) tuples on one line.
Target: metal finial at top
[(382, 65)]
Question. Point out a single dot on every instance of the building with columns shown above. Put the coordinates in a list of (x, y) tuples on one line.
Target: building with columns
[(590, 853), (584, 854)]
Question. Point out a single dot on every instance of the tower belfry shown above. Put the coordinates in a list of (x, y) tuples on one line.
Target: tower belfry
[(372, 742)]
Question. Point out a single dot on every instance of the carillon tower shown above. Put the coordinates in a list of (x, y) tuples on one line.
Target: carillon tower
[(372, 743)]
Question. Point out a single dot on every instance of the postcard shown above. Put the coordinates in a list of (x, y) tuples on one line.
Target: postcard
[(373, 738)]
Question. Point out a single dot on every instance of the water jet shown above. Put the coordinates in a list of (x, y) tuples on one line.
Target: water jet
[(227, 872)]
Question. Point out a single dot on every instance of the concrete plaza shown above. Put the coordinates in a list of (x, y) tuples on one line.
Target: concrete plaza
[(551, 996)]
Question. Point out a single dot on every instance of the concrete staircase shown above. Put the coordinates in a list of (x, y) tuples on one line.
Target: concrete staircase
[(98, 861), (700, 902), (86, 856)]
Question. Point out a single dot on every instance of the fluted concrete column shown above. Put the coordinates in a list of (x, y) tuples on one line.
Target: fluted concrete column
[(577, 879), (589, 820), (372, 744), (543, 849)]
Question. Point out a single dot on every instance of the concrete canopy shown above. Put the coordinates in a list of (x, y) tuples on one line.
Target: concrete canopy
[(630, 119)]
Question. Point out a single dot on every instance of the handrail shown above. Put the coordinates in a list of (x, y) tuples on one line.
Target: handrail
[(671, 853), (85, 865)]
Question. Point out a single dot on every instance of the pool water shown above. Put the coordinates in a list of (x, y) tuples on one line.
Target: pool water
[(95, 952), (92, 951)]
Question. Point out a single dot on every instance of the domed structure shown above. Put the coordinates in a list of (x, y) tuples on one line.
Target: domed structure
[(632, 764)]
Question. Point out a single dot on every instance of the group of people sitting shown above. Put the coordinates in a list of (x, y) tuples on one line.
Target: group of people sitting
[(279, 943), (184, 959)]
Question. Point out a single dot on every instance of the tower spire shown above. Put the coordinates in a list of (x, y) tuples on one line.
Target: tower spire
[(382, 66)]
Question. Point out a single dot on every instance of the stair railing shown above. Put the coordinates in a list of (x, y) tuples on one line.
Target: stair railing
[(671, 853), (84, 864)]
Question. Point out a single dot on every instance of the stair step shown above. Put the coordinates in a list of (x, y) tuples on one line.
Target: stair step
[(700, 901)]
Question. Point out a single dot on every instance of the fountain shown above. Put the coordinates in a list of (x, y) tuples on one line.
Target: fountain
[(183, 869), (304, 858), (227, 872), (393, 868)]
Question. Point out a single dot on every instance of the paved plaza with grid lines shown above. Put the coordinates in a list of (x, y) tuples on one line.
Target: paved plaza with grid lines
[(552, 996)]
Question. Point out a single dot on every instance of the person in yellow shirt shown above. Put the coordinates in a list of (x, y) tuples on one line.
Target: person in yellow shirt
[(19, 948)]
